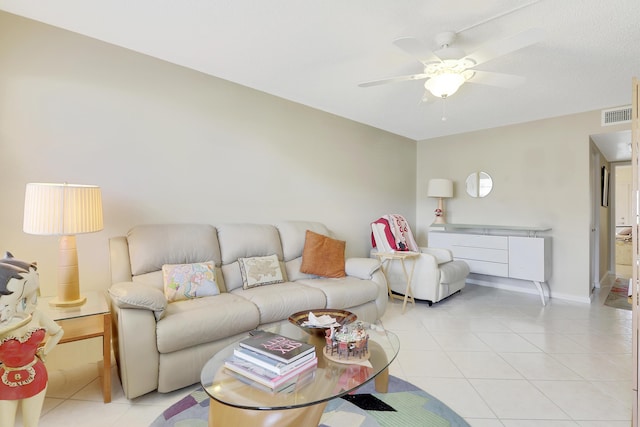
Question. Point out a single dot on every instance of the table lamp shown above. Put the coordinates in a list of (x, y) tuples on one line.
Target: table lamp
[(64, 210), (440, 188)]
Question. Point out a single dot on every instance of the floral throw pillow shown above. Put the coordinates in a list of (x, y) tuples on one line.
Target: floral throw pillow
[(187, 281), (259, 271)]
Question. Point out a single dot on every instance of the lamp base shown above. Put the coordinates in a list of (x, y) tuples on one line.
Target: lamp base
[(68, 282), (439, 220), (57, 302)]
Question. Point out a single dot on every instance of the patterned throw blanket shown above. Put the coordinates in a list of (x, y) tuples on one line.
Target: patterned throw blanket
[(397, 232)]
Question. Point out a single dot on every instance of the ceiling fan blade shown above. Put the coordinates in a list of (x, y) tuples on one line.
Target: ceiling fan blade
[(508, 81), (415, 48), (393, 80), (510, 44)]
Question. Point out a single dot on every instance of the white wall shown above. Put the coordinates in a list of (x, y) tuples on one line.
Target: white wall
[(168, 144), (541, 176)]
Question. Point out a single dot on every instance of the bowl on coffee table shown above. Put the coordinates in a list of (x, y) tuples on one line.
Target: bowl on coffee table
[(342, 317)]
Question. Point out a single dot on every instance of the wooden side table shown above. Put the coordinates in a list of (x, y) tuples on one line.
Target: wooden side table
[(90, 320), (388, 257)]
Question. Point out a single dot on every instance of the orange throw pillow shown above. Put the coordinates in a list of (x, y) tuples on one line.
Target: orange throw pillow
[(323, 256)]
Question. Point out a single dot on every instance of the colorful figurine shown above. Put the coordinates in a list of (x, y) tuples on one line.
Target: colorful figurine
[(351, 342), (23, 376)]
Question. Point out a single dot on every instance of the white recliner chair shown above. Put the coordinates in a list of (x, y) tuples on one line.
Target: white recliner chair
[(436, 274)]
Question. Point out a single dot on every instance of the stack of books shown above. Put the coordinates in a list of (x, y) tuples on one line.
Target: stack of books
[(273, 361)]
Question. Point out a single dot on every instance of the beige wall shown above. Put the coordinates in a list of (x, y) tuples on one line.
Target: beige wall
[(541, 177), (168, 144)]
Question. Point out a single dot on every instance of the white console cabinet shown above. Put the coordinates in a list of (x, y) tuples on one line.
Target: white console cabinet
[(513, 255)]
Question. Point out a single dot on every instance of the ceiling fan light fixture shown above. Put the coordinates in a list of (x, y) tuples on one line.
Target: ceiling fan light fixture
[(444, 84)]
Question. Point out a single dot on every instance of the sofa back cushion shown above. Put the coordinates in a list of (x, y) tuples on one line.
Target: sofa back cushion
[(293, 234), (293, 237), (245, 241), (152, 246)]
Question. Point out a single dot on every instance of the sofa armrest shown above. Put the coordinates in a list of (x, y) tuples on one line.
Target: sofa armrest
[(362, 268), (135, 295), (135, 346), (441, 255)]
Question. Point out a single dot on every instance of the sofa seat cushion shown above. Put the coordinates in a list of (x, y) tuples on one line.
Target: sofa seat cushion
[(196, 321), (344, 292), (280, 300)]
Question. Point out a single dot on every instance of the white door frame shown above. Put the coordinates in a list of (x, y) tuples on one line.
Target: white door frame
[(594, 233)]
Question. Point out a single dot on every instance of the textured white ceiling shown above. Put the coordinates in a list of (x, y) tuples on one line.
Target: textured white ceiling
[(316, 52)]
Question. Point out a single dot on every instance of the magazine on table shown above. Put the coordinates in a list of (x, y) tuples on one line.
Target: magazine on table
[(292, 385), (276, 346), (265, 376), (270, 363)]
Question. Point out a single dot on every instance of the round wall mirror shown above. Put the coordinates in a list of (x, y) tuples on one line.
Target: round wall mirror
[(479, 184)]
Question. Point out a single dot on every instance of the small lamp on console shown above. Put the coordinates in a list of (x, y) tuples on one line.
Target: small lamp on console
[(440, 188), (64, 210)]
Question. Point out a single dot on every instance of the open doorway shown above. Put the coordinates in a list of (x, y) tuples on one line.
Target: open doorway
[(622, 214), (609, 150)]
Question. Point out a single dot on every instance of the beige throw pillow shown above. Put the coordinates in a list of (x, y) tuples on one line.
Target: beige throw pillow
[(259, 271)]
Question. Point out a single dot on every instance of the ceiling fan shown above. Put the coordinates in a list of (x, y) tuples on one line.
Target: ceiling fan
[(448, 67)]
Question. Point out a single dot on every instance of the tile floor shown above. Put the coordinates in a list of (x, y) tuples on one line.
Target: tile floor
[(498, 358)]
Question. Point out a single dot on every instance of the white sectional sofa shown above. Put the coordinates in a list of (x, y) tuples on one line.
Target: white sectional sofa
[(161, 345)]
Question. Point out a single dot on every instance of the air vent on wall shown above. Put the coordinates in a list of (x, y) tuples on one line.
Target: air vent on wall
[(614, 116)]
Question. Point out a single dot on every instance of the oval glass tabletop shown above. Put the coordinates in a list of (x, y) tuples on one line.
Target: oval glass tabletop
[(329, 380)]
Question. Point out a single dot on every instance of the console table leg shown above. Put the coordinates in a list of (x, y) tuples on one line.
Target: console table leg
[(540, 291)]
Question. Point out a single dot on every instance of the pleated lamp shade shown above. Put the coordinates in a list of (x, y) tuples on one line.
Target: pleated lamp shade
[(64, 210)]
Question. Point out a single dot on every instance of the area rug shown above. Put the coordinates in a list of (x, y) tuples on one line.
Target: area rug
[(618, 295), (404, 405)]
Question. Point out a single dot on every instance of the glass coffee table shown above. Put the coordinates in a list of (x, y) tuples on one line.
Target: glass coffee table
[(240, 403)]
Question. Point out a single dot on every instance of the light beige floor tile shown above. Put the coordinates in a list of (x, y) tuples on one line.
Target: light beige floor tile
[(483, 422), (423, 340), (600, 343), (428, 364), (469, 322), (460, 341), (76, 412), (527, 326), (65, 383), (583, 400), (554, 343), (539, 366), (517, 399), (501, 342), (483, 365), (619, 390), (457, 394), (603, 423), (595, 366)]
